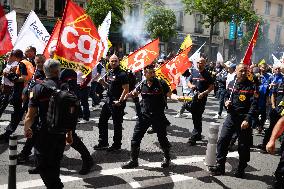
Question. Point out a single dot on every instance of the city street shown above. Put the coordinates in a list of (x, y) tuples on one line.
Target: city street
[(187, 170)]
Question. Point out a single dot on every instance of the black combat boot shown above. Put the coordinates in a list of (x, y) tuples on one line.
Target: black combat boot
[(86, 165), (134, 158), (219, 169), (240, 172), (167, 158)]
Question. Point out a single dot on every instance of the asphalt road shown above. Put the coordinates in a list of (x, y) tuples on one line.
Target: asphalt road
[(187, 170)]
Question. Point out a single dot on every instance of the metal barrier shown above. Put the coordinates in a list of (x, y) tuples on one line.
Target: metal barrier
[(12, 162)]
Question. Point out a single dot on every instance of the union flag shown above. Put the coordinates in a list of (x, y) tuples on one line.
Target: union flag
[(5, 39), (144, 56), (174, 68), (252, 43), (52, 42), (79, 46)]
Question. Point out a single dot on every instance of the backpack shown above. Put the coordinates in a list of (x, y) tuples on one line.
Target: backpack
[(63, 109), (30, 70)]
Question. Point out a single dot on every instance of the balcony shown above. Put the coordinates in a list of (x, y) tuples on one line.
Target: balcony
[(198, 30)]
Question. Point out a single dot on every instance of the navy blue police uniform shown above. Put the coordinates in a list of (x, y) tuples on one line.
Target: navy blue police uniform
[(116, 78), (49, 144), (202, 81), (243, 107)]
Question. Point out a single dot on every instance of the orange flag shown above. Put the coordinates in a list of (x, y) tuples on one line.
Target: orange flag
[(174, 68), (143, 57), (252, 43), (51, 44), (79, 46), (5, 39)]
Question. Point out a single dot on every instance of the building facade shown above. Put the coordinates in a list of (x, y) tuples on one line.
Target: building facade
[(48, 11)]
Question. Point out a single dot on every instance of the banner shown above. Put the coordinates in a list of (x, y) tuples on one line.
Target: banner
[(5, 39), (220, 57), (276, 60), (79, 46), (196, 55), (144, 56), (32, 33), (252, 43), (104, 32), (12, 26), (186, 43), (52, 42), (174, 68)]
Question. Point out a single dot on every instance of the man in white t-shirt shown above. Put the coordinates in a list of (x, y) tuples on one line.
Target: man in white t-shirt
[(231, 72), (7, 85)]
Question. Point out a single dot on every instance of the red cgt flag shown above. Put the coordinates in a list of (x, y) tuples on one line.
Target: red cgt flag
[(143, 57), (5, 39), (51, 44), (79, 46), (252, 43), (174, 68)]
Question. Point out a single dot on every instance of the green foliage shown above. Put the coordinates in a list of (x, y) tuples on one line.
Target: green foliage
[(98, 9), (160, 22)]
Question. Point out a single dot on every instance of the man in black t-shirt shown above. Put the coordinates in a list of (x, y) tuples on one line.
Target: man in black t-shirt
[(153, 105), (201, 83), (117, 87)]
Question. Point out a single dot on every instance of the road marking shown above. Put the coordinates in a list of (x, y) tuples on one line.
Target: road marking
[(4, 123), (135, 185), (116, 171)]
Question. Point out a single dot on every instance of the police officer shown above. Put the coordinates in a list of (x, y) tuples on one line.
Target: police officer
[(241, 107), (270, 147), (152, 113), (201, 82), (117, 87), (49, 144)]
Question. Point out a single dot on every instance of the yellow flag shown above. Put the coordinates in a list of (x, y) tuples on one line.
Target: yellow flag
[(186, 43), (261, 62), (123, 64), (109, 44)]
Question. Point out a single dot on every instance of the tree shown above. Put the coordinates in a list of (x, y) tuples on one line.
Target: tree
[(216, 11), (160, 22), (98, 9)]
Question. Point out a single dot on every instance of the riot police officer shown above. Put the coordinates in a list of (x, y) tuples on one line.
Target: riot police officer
[(118, 86), (241, 107), (152, 113), (201, 82)]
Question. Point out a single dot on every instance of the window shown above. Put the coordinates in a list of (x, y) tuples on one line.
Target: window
[(277, 35), (280, 10), (40, 7), (267, 7), (59, 8), (266, 26), (216, 29), (179, 16), (134, 10), (198, 24)]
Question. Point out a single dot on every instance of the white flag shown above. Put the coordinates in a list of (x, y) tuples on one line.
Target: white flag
[(220, 58), (275, 60), (12, 26), (32, 33), (104, 32), (196, 55)]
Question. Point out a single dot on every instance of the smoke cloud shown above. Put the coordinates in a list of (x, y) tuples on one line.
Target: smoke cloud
[(134, 30)]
